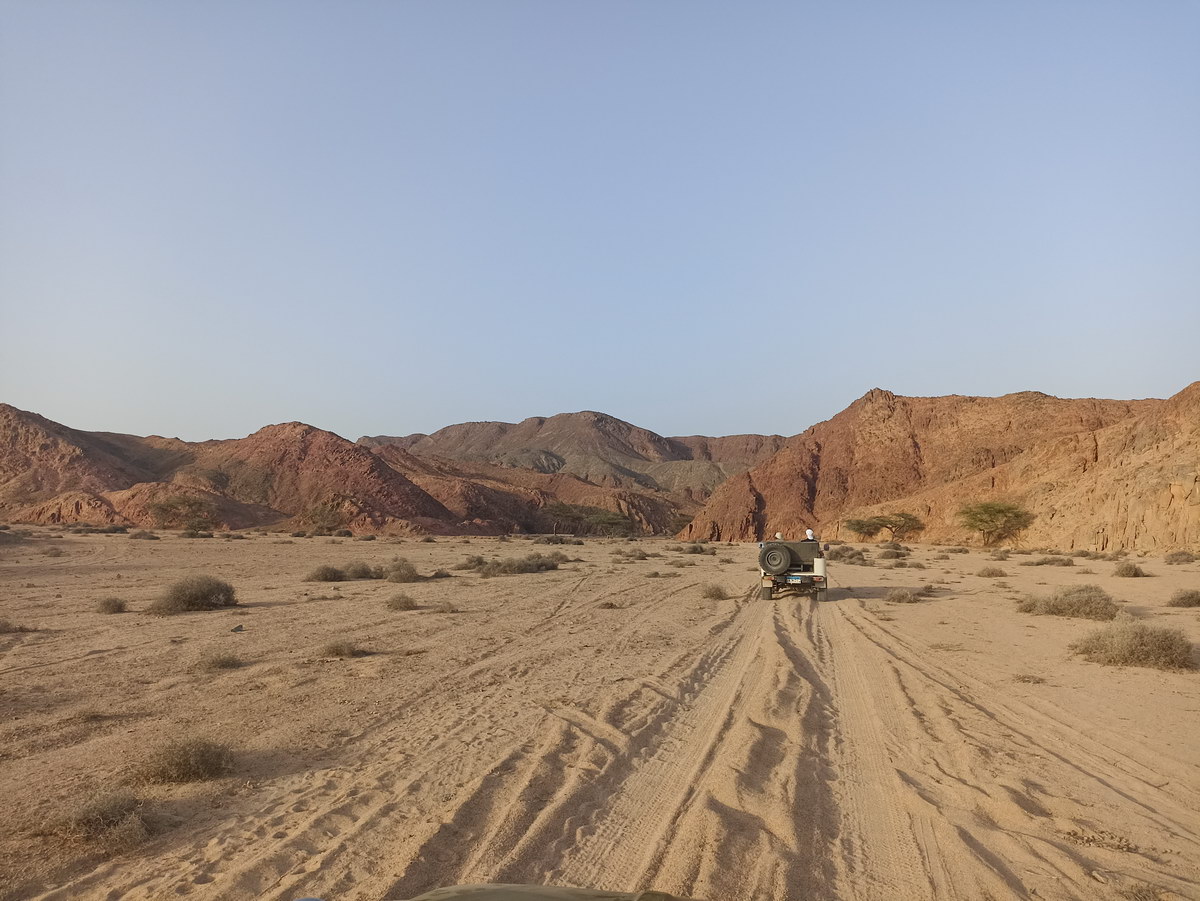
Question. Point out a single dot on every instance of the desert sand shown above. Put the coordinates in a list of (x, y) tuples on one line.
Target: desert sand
[(592, 726)]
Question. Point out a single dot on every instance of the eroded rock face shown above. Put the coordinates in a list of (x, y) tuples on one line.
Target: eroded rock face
[(1097, 473)]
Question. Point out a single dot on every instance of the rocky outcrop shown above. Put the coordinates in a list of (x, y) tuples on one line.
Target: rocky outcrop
[(930, 455)]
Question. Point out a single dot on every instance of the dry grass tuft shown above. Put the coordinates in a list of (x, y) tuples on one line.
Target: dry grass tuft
[(114, 821), (1136, 644), (325, 574), (532, 563), (1078, 601), (713, 592), (1185, 597), (194, 593), (346, 649), (189, 760), (401, 602), (111, 605), (445, 607), (1029, 679), (992, 572), (1053, 560), (1128, 571), (219, 660), (902, 596)]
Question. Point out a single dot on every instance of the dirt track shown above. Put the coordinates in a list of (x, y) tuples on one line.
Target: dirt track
[(592, 727)]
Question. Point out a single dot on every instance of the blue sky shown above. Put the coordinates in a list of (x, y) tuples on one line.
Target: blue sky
[(386, 217)]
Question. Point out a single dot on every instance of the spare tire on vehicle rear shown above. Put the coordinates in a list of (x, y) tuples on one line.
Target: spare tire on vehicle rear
[(775, 559)]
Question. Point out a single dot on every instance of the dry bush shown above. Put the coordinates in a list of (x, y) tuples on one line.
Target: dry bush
[(111, 605), (891, 545), (219, 660), (1128, 571), (9, 628), (902, 596), (1029, 679), (342, 649), (1136, 644), (532, 563), (1051, 560), (914, 564), (366, 537), (848, 554), (299, 533), (958, 550), (1077, 601), (1000, 555), (655, 574), (445, 607), (113, 820), (401, 602), (342, 533), (402, 572), (53, 552), (428, 539), (1185, 597), (143, 535), (552, 539), (698, 549), (1176, 557), (325, 574), (189, 760), (713, 592), (194, 593), (359, 570), (992, 572), (892, 554), (941, 556)]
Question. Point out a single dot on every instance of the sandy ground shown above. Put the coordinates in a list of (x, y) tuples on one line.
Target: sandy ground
[(593, 727)]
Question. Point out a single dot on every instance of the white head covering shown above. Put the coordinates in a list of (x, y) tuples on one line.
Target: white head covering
[(808, 533), (779, 536)]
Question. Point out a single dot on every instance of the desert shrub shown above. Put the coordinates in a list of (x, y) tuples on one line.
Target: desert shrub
[(1136, 644), (143, 535), (342, 649), (992, 572), (913, 564), (219, 660), (553, 539), (1176, 557), (632, 554), (111, 605), (533, 563), (401, 602), (444, 607), (1185, 598), (188, 760), (891, 545), (958, 550), (366, 537), (439, 574), (1000, 555), (299, 533), (1029, 679), (325, 574), (402, 572), (892, 554), (428, 539), (1128, 571), (902, 596), (359, 570), (7, 627), (194, 593), (1050, 561), (114, 820), (192, 533), (53, 552), (847, 554), (697, 548), (1078, 601), (713, 592), (342, 533)]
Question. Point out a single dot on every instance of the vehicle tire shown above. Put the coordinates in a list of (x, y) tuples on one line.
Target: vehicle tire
[(764, 593), (774, 559)]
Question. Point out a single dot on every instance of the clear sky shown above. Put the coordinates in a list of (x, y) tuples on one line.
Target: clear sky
[(702, 217)]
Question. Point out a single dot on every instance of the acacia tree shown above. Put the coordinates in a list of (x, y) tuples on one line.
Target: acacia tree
[(864, 528), (995, 520), (898, 525)]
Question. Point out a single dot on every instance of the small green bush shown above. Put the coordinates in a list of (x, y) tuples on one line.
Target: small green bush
[(1185, 598), (1076, 601), (111, 605), (189, 760), (194, 593), (1136, 644), (1128, 571), (1177, 557)]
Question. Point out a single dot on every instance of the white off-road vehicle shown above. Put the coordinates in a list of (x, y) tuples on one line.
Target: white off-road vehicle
[(799, 565)]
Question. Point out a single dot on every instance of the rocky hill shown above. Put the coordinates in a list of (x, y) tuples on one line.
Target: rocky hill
[(1097, 473), (598, 448), (290, 472)]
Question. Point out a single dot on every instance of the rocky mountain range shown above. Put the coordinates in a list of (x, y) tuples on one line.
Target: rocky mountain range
[(1100, 474)]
